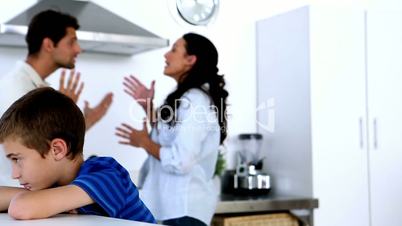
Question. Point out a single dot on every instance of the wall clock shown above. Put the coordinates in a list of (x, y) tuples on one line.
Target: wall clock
[(197, 12)]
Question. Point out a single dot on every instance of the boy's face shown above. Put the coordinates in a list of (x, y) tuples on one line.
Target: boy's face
[(28, 166)]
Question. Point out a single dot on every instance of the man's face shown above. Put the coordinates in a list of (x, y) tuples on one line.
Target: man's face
[(31, 170), (67, 49)]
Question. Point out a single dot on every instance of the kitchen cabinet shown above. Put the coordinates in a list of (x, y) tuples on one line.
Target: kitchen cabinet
[(384, 82), (328, 84)]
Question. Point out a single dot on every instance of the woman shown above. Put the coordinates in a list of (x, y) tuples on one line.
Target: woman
[(184, 141)]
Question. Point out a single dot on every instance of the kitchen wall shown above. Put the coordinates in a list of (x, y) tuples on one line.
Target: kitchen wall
[(233, 32)]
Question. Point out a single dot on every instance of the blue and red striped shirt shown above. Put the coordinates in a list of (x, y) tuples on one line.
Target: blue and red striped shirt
[(109, 185)]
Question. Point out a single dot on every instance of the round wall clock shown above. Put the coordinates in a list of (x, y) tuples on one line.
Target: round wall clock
[(197, 12)]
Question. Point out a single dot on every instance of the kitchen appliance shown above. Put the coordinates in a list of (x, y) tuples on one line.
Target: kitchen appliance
[(248, 178)]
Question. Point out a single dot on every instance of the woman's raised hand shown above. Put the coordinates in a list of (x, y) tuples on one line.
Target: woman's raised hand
[(131, 136), (137, 90)]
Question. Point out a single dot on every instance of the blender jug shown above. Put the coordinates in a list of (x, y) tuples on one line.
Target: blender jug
[(250, 148)]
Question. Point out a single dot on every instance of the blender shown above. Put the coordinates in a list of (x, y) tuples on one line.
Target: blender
[(249, 177)]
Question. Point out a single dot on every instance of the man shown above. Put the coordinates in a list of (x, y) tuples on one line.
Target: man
[(52, 44)]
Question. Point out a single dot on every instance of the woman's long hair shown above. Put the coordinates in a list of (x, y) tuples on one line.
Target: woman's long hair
[(204, 71)]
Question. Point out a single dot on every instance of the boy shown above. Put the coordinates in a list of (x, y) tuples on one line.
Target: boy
[(43, 136)]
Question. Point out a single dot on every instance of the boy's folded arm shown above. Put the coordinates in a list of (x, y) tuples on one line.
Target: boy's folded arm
[(6, 194), (48, 202)]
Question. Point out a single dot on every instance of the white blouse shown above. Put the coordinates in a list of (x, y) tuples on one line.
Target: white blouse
[(180, 184)]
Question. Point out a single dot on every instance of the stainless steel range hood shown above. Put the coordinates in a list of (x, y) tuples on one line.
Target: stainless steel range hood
[(101, 31)]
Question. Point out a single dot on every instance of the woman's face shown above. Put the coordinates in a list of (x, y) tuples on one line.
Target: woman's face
[(178, 62)]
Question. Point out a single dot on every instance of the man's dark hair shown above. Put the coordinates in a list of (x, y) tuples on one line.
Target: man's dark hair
[(42, 115), (48, 24)]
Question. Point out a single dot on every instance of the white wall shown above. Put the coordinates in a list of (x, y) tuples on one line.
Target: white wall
[(233, 32)]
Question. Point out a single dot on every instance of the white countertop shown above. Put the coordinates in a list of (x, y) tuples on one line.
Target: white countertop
[(69, 220)]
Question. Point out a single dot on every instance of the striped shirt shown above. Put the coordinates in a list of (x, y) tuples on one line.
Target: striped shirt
[(110, 186)]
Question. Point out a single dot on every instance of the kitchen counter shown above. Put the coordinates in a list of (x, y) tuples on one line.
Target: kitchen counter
[(240, 204), (68, 220), (301, 207)]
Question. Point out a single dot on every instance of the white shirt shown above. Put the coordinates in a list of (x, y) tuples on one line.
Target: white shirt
[(22, 79), (180, 184)]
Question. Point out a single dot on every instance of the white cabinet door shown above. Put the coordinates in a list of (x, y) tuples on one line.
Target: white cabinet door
[(384, 51), (338, 117)]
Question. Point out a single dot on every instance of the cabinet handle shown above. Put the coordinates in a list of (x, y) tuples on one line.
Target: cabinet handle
[(361, 132), (375, 142)]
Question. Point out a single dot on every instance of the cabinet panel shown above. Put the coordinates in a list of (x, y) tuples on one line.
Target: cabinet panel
[(338, 117), (284, 101), (384, 51)]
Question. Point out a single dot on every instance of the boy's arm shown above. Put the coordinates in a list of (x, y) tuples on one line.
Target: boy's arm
[(6, 194), (48, 202)]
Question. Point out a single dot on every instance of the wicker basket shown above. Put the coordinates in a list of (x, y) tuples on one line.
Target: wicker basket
[(274, 219)]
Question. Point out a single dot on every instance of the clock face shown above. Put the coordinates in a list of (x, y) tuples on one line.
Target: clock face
[(197, 12)]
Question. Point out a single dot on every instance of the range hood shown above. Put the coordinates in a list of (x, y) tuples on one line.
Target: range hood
[(101, 31)]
